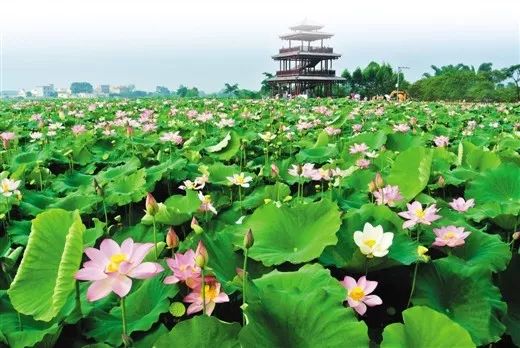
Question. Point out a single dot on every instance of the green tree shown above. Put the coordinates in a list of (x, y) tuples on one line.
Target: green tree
[(513, 73), (374, 79), (81, 87)]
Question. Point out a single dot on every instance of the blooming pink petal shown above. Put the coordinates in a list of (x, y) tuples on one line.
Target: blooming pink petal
[(140, 252), (370, 286), (96, 256), (145, 270), (362, 282), (210, 307), (171, 280), (121, 285), (349, 282), (361, 308), (127, 246), (372, 300), (109, 247), (90, 273), (99, 289), (194, 308)]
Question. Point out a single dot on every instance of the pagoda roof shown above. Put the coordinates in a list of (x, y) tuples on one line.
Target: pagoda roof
[(306, 25), (306, 35), (305, 78)]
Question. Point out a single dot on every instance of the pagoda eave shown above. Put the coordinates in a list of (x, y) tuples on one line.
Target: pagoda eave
[(297, 54), (295, 78)]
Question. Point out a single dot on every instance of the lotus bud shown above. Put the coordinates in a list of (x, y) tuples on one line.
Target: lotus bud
[(413, 121), (275, 171), (117, 218), (240, 273), (372, 186), (441, 181), (248, 239), (201, 255), (99, 189), (172, 239), (195, 226), (516, 235), (378, 181), (152, 208)]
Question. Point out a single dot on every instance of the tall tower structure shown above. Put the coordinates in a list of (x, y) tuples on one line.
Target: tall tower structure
[(305, 62)]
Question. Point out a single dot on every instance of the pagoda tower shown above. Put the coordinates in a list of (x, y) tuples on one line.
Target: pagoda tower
[(305, 65)]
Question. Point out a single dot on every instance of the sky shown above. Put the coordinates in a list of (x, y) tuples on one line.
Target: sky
[(208, 43)]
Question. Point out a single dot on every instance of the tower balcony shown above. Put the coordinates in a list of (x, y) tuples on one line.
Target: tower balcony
[(310, 49), (299, 72)]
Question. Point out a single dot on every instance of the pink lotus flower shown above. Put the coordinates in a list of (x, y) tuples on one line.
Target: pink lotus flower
[(78, 129), (357, 128), (184, 269), (401, 128), (363, 163), (451, 236), (172, 137), (332, 131), (358, 148), (6, 138), (358, 293), (111, 267), (441, 141), (416, 215), (206, 203), (212, 296), (462, 205), (388, 195)]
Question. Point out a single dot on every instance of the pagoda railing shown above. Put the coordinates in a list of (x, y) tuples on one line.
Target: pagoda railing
[(306, 49), (306, 73)]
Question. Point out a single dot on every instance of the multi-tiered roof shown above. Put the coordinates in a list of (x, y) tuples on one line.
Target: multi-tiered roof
[(305, 65)]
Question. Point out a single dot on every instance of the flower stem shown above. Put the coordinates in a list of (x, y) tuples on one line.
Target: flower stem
[(240, 198), (416, 267), (154, 237), (78, 299), (244, 285), (106, 216), (203, 291), (413, 284), (123, 317)]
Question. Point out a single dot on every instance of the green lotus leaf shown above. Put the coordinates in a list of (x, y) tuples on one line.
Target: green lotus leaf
[(201, 331), (478, 159), (497, 191), (373, 140), (424, 328), (112, 173), (403, 142), (73, 182), (218, 173), (509, 283), (34, 202), (156, 173), (301, 309), (19, 231), (143, 308), (317, 154), (83, 202), (221, 144), (469, 299), (276, 192), (293, 234), (127, 189), (45, 278), (411, 171), (227, 148), (33, 331)]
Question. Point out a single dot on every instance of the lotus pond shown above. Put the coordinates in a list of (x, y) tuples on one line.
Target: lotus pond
[(273, 223)]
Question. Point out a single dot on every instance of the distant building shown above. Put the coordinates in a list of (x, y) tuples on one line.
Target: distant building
[(121, 89), (43, 91), (104, 89), (63, 93)]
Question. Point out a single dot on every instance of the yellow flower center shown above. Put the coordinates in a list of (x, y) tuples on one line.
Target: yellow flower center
[(240, 180), (449, 235), (115, 262), (5, 187), (420, 213), (207, 199), (210, 292), (369, 242), (356, 293)]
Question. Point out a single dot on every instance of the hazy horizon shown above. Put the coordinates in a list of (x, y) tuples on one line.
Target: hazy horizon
[(208, 43)]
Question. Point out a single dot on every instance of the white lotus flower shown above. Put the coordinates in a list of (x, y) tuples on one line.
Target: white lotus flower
[(9, 187), (373, 241), (240, 179)]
